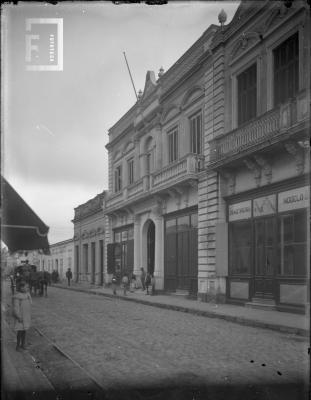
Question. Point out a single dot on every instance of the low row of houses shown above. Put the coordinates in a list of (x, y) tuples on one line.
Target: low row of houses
[(209, 170)]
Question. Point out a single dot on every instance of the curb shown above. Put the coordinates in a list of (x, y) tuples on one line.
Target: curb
[(238, 320)]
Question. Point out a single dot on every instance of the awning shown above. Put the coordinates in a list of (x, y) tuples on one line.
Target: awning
[(21, 228)]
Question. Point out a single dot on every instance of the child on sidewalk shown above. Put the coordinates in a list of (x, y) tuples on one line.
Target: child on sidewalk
[(22, 314), (125, 281)]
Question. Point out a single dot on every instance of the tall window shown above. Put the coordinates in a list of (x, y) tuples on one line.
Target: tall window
[(292, 243), (247, 94), (196, 133), (240, 247), (286, 70), (173, 145), (118, 179), (130, 170)]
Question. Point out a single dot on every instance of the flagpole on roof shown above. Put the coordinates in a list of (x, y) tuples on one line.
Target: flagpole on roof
[(130, 75)]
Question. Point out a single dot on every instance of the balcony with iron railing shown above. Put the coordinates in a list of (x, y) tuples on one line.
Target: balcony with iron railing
[(275, 125), (178, 172)]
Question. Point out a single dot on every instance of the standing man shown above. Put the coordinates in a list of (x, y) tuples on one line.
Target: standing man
[(68, 276), (142, 278)]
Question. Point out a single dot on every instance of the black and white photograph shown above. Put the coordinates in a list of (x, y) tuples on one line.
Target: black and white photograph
[(155, 200)]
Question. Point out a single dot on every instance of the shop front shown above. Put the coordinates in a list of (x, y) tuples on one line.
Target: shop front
[(120, 253), (181, 252), (268, 248)]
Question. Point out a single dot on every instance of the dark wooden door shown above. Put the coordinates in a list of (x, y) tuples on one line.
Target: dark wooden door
[(265, 259), (183, 260), (170, 270), (150, 247)]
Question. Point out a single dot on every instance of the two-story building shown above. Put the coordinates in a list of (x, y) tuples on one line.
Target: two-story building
[(89, 241), (156, 154), (258, 127)]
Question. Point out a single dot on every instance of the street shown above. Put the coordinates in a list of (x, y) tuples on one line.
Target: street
[(126, 345)]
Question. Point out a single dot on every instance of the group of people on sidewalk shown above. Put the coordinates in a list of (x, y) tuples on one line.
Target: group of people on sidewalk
[(131, 282)]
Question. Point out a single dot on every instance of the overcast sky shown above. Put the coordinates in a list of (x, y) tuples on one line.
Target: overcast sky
[(55, 124)]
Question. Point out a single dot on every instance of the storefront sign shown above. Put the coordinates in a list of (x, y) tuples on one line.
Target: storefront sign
[(265, 205), (241, 210), (293, 199)]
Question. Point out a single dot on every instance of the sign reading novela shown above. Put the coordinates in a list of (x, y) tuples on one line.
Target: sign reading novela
[(295, 198), (241, 210), (264, 205), (44, 44)]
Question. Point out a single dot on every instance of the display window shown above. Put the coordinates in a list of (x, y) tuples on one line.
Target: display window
[(240, 247), (292, 244)]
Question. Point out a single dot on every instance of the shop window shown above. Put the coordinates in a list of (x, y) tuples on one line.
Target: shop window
[(196, 133), (170, 226), (131, 233), (118, 179), (286, 70), (194, 220), (240, 247), (183, 223), (117, 237), (130, 170), (247, 94), (292, 244), (173, 145)]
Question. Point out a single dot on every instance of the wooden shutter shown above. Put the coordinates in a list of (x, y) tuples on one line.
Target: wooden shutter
[(110, 258)]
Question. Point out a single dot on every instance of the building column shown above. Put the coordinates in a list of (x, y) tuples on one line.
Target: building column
[(159, 253), (137, 233)]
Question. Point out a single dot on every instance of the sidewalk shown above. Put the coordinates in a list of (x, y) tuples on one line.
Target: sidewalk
[(275, 320), (21, 377)]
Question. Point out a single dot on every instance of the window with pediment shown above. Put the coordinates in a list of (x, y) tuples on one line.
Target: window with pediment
[(118, 179), (173, 145), (247, 94), (196, 133), (286, 69)]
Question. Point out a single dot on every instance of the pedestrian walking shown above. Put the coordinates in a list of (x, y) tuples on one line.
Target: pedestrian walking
[(125, 282), (133, 283), (114, 284), (22, 314), (68, 276), (152, 285), (143, 278), (147, 281)]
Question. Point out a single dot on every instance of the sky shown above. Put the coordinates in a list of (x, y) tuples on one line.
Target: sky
[(55, 123)]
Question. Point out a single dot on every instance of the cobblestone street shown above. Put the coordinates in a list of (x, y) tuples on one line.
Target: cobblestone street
[(124, 344)]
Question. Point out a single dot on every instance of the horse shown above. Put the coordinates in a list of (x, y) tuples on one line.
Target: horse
[(39, 282)]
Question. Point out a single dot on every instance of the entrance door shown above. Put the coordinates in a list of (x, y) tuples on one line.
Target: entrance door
[(264, 258), (150, 247)]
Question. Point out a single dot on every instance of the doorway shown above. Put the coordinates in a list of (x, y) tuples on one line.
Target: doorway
[(264, 258), (150, 247)]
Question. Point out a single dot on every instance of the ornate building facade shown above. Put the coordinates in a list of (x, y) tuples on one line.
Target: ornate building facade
[(257, 126), (156, 154), (89, 241), (209, 170)]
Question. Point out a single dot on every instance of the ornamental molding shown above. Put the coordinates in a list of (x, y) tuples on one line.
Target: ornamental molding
[(266, 167), (244, 43), (298, 154), (254, 167), (230, 178)]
